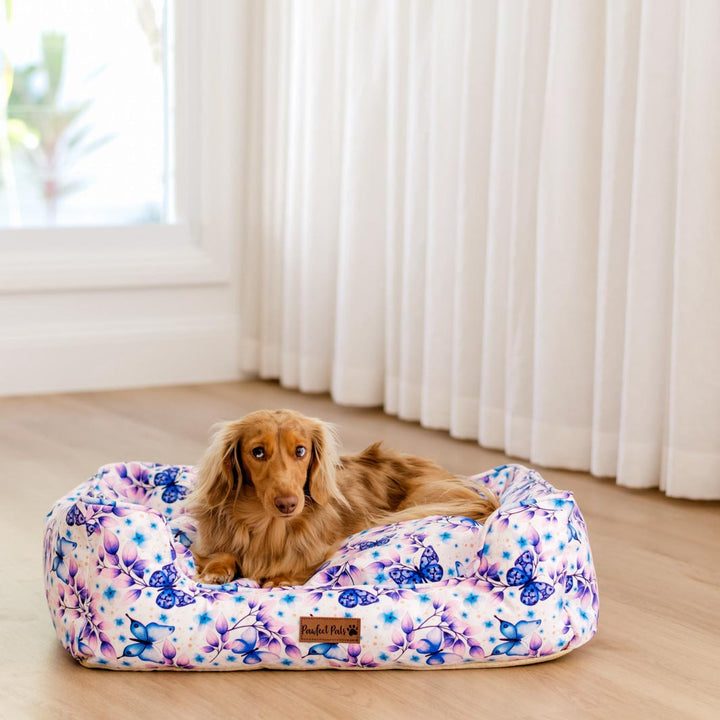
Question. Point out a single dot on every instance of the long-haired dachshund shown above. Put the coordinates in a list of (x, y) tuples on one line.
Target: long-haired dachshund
[(273, 499)]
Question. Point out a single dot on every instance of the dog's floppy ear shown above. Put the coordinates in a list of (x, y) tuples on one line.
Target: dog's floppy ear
[(322, 478), (219, 475)]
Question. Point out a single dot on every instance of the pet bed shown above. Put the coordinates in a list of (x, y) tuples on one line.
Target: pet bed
[(437, 592)]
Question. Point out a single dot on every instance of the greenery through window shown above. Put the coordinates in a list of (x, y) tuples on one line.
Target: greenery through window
[(83, 112)]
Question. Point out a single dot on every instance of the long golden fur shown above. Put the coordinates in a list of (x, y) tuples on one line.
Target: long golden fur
[(273, 499)]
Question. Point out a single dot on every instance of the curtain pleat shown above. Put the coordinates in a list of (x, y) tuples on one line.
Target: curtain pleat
[(413, 238), (648, 308), (567, 240), (476, 116), (692, 468), (622, 35), (504, 103), (522, 261), (495, 218)]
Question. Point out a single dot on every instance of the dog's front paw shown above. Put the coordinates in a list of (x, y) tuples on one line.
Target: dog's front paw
[(281, 581), (215, 578), (218, 569)]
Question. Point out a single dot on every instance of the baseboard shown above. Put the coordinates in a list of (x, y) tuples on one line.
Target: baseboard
[(98, 356)]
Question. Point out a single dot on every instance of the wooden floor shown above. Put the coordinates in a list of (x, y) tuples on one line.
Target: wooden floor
[(658, 562)]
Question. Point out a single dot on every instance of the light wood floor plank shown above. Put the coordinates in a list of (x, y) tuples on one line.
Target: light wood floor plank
[(658, 563)]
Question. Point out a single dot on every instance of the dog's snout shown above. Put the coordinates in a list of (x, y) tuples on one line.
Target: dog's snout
[(286, 503)]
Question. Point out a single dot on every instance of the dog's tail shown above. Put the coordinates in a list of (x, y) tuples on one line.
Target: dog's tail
[(463, 501)]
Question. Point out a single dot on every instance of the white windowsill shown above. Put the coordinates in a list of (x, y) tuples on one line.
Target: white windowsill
[(85, 258)]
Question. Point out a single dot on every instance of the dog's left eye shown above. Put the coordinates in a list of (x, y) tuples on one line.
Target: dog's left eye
[(300, 451)]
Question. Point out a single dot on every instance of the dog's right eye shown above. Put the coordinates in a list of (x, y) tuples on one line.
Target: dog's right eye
[(258, 452)]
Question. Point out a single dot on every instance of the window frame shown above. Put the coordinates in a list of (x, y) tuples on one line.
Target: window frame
[(174, 252)]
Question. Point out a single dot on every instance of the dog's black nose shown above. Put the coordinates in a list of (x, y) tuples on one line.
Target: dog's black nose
[(286, 504)]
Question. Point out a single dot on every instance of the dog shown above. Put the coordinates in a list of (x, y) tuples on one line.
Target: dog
[(273, 499)]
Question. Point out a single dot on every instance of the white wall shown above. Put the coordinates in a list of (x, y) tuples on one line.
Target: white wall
[(83, 340)]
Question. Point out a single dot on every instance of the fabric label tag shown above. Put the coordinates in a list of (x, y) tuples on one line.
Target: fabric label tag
[(330, 629)]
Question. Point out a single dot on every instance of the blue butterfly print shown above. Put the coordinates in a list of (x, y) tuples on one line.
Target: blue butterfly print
[(428, 571), (62, 549), (514, 633), (247, 646), (146, 636), (521, 575), (168, 479), (169, 596), (367, 544), (432, 646), (75, 517), (350, 598), (329, 650), (183, 538)]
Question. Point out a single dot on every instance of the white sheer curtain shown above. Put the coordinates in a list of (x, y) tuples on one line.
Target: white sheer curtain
[(499, 218)]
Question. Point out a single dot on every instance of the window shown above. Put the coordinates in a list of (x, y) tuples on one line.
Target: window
[(86, 113), (130, 288), (145, 186)]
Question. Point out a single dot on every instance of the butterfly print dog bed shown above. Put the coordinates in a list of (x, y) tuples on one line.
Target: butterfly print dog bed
[(437, 592)]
